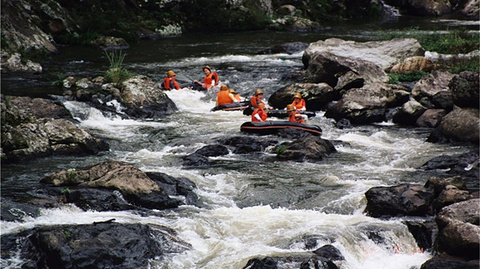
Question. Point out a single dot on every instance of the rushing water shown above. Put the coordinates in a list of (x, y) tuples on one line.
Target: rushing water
[(253, 204)]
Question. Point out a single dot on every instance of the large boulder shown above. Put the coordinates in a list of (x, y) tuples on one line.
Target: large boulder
[(48, 137), (409, 113), (431, 118), (143, 98), (465, 89), (316, 95), (461, 124), (433, 90), (115, 183), (98, 245), (401, 200), (368, 104), (459, 229), (384, 54)]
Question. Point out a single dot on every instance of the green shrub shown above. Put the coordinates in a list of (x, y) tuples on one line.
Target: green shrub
[(406, 77), (450, 42), (116, 73)]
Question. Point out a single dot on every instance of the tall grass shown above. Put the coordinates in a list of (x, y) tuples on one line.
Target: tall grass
[(116, 73), (447, 42)]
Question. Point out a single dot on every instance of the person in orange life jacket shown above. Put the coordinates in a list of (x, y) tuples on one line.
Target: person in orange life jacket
[(210, 80), (258, 99), (224, 96), (259, 114), (298, 102), (169, 82), (294, 115), (237, 97)]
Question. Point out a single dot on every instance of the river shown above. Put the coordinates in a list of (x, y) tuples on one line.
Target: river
[(254, 205)]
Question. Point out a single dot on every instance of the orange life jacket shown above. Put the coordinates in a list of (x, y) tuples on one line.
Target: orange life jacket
[(293, 117), (254, 101), (167, 82), (208, 81), (223, 98), (237, 97), (215, 77), (300, 104), (261, 113)]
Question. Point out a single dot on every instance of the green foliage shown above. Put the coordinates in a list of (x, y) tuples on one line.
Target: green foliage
[(116, 73), (450, 42), (65, 191), (280, 149), (59, 81), (67, 234), (457, 65), (406, 77)]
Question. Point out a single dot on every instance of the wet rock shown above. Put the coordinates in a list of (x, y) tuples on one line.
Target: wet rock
[(176, 187), (438, 184), (400, 200), (110, 43), (461, 124), (38, 127), (409, 113), (423, 232), (325, 257), (448, 262), (435, 89), (311, 148), (450, 195), (101, 245), (465, 165), (431, 118), (16, 211), (143, 98), (48, 137), (248, 144), (212, 151), (288, 48), (316, 95), (458, 226), (465, 89), (15, 63), (196, 160), (367, 104), (415, 63), (115, 185)]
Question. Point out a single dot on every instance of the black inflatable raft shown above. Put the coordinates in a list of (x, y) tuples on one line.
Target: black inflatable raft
[(272, 127), (280, 113), (234, 106), (277, 113)]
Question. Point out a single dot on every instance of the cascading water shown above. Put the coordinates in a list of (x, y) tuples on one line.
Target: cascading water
[(253, 205)]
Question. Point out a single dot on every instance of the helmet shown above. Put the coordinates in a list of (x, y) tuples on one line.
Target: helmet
[(207, 67), (257, 92), (170, 73), (297, 95), (223, 87), (290, 107)]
